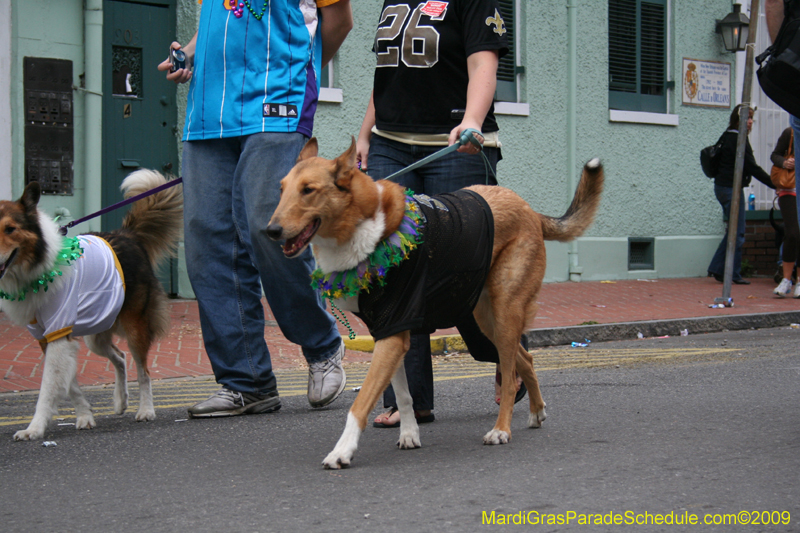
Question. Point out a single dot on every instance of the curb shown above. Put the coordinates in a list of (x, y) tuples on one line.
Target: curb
[(619, 331)]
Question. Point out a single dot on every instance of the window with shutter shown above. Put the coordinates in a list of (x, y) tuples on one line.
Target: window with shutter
[(507, 69), (637, 43)]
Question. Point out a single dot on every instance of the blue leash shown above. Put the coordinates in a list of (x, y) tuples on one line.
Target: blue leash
[(467, 136)]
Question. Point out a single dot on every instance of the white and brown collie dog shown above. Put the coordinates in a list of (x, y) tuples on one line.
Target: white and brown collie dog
[(482, 247), (94, 285)]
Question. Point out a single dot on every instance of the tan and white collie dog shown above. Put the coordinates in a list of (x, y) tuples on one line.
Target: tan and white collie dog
[(348, 218), (94, 285)]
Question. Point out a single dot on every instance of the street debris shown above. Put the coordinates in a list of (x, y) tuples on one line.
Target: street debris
[(648, 280), (595, 305), (716, 306), (67, 424), (356, 389), (684, 333), (49, 443), (579, 345), (181, 420), (608, 282), (639, 335), (794, 326)]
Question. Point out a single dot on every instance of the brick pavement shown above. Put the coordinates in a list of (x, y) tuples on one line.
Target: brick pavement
[(181, 354)]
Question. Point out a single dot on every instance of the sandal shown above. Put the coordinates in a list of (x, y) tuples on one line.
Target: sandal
[(522, 390), (421, 419)]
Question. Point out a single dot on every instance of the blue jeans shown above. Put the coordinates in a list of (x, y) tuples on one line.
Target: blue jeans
[(231, 189), (448, 173), (717, 266)]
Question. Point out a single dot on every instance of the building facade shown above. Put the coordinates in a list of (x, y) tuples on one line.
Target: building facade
[(641, 84)]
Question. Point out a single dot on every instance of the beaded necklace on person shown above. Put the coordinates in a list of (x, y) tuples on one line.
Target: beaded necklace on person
[(238, 8), (70, 251)]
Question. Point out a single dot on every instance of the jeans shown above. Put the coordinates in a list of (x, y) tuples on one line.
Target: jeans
[(231, 189), (794, 122), (449, 173), (717, 266)]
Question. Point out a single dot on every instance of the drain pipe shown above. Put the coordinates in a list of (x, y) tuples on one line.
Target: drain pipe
[(575, 270), (93, 140)]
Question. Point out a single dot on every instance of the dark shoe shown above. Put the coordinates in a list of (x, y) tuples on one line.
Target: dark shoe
[(421, 419), (741, 282), (716, 277), (226, 402)]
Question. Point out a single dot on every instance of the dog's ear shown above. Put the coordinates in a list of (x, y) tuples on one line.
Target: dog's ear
[(311, 149), (30, 196), (345, 166)]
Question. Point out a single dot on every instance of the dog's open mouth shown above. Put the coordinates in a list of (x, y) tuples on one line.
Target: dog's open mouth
[(298, 243), (5, 266)]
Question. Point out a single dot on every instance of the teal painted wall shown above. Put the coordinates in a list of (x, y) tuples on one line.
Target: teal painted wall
[(43, 28)]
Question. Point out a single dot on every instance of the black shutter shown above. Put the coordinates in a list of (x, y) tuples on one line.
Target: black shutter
[(637, 37), (506, 70)]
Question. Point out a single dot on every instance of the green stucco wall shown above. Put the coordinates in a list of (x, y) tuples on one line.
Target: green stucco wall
[(654, 186)]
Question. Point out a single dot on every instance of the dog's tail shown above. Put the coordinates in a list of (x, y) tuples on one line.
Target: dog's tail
[(581, 212), (156, 220)]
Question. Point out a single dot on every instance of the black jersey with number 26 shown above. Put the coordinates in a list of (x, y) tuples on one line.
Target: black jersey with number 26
[(422, 50)]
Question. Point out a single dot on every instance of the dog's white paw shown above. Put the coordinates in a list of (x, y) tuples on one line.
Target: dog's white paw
[(120, 405), (535, 419), (336, 460), (31, 433), (409, 440), (85, 421), (145, 415), (496, 436)]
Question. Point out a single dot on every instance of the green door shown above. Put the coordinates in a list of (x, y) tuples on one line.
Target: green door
[(139, 104)]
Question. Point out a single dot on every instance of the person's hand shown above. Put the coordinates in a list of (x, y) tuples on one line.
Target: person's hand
[(788, 163), (362, 151), (468, 148), (181, 75)]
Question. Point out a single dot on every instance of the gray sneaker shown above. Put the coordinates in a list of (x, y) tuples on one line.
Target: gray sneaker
[(326, 380), (226, 402)]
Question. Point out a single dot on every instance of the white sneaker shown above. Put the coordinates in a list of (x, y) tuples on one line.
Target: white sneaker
[(785, 288), (326, 380), (797, 290)]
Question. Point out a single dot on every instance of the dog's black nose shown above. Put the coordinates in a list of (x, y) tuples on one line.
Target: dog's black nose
[(274, 231)]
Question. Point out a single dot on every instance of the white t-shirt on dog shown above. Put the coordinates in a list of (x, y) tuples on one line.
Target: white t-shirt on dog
[(89, 300)]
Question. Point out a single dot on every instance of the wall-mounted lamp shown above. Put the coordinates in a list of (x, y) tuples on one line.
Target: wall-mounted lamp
[(735, 28)]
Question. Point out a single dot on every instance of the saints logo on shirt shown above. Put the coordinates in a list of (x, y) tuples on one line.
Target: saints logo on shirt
[(497, 21)]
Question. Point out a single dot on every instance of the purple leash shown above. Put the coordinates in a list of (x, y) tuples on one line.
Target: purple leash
[(63, 229)]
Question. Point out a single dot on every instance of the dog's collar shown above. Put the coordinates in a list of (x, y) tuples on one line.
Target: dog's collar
[(70, 251), (388, 253)]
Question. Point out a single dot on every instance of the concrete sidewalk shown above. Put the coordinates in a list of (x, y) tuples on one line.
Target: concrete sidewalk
[(568, 312)]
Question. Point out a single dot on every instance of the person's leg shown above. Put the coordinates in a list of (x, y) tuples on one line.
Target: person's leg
[(226, 285), (794, 122), (737, 255), (223, 277), (717, 265), (385, 158), (266, 159)]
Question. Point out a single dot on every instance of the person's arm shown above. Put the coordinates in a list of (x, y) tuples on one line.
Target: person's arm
[(482, 69), (778, 156), (774, 15), (751, 168), (365, 134), (184, 74), (337, 21)]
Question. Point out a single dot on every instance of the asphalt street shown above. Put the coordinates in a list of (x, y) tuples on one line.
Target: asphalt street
[(702, 426)]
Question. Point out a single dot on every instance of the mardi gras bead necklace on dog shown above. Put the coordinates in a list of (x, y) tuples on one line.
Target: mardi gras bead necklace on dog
[(389, 253), (70, 251)]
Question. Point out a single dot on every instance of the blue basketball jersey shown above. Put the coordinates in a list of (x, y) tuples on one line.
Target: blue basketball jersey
[(251, 75)]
